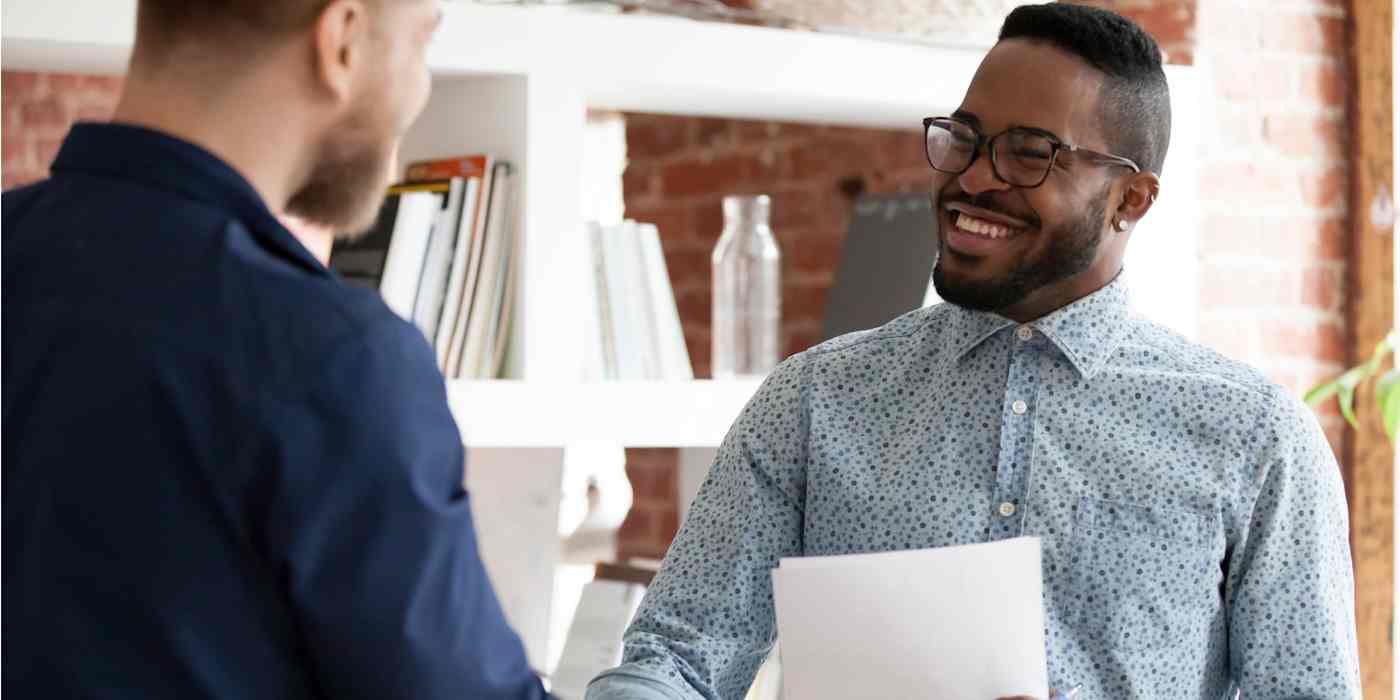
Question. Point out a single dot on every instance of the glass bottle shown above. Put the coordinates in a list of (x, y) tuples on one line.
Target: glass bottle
[(747, 292)]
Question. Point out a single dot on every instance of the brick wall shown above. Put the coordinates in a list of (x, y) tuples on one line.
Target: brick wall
[(1273, 250), (38, 110)]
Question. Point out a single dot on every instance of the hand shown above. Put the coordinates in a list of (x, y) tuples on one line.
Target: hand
[(1054, 695)]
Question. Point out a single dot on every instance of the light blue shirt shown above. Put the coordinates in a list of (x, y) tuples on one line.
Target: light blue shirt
[(1191, 513)]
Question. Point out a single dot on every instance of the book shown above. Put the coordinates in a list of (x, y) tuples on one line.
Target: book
[(360, 260), (626, 335), (389, 256), (487, 287), (457, 340), (668, 335), (447, 168), (408, 248), (432, 287), (643, 332), (601, 356), (452, 295)]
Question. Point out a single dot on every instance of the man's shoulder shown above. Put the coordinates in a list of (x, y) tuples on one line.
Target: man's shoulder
[(1150, 346), (880, 339)]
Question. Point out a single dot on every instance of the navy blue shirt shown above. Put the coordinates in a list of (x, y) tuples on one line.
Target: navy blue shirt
[(227, 474)]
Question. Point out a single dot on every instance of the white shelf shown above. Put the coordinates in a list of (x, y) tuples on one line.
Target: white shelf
[(632, 414), (629, 62)]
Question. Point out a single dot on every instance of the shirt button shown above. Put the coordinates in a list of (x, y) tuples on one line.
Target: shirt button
[(1007, 509), (1018, 407), (1025, 333)]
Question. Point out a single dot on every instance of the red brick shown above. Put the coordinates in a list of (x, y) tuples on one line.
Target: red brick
[(20, 85), (1234, 181), (814, 255), (829, 157), (1304, 338), (800, 340), (1250, 78), (46, 112), (1227, 286), (723, 175), (1323, 288), (93, 113), (695, 306), (653, 474), (638, 181), (667, 524), (689, 266), (1167, 22), (1325, 188), (708, 215), (713, 133), (650, 136), (751, 131), (1323, 83), (672, 221), (45, 150), (805, 302), (1304, 136), (1226, 234), (1304, 33)]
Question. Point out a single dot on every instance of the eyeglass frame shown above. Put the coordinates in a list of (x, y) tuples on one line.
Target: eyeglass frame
[(1056, 145)]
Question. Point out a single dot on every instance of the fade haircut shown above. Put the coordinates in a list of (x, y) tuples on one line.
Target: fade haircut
[(164, 24), (1134, 106)]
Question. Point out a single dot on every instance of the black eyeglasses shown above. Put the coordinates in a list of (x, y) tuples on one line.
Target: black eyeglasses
[(1021, 156)]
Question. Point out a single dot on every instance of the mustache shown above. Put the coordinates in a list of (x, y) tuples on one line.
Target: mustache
[(988, 201)]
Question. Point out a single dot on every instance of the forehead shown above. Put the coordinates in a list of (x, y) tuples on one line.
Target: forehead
[(1025, 83)]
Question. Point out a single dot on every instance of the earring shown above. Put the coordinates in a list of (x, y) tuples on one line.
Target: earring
[(1121, 225)]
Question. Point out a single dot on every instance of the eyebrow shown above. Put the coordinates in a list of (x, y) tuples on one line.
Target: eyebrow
[(969, 117)]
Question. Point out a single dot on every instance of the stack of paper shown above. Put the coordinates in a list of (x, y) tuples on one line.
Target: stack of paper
[(957, 623)]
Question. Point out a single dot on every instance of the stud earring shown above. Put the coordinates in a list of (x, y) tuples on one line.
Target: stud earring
[(1121, 225)]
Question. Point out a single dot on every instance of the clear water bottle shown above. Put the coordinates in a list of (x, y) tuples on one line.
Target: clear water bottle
[(748, 292)]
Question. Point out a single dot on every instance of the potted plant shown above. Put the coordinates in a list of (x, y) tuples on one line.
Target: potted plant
[(1387, 386)]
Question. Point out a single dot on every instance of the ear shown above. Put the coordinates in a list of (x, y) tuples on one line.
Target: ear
[(1139, 194), (338, 36)]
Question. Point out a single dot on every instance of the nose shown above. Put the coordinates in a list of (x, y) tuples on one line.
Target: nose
[(981, 177)]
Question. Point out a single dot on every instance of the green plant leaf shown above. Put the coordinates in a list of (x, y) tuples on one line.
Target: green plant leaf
[(1388, 397), (1354, 376), (1346, 398), (1321, 392)]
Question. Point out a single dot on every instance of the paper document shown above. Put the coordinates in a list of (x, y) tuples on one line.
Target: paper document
[(956, 623)]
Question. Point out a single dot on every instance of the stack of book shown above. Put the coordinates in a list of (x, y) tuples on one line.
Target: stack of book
[(442, 254), (636, 328)]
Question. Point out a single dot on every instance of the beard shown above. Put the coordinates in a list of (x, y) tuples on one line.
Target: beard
[(347, 183), (1072, 250)]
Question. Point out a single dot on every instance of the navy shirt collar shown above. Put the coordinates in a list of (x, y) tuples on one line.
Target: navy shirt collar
[(137, 154)]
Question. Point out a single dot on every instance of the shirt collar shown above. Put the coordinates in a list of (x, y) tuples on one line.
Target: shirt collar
[(138, 154), (1087, 331)]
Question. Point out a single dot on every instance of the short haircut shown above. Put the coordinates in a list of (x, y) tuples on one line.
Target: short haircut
[(163, 24), (1135, 106)]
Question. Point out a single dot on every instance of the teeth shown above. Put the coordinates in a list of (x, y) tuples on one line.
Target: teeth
[(981, 227)]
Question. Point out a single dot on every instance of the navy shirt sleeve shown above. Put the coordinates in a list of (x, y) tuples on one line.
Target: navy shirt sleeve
[(371, 530)]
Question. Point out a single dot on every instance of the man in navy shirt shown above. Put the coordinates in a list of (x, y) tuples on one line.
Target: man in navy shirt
[(227, 474)]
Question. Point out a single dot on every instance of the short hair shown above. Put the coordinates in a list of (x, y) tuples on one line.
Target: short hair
[(162, 24), (1135, 105)]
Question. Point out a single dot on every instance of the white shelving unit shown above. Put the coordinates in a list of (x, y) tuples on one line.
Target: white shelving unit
[(518, 82)]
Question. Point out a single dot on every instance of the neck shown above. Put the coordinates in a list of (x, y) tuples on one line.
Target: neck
[(1046, 300), (247, 121)]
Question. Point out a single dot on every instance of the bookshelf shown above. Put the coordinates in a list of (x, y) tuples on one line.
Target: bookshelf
[(518, 82)]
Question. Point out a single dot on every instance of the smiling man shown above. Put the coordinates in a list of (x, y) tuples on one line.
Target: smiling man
[(1191, 514)]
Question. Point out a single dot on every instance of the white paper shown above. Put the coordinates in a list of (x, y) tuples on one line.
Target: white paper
[(594, 643), (956, 623)]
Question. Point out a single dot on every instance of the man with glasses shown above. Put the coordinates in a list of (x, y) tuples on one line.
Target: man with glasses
[(1191, 514)]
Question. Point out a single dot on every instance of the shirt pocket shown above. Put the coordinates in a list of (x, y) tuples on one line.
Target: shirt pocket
[(1138, 572)]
